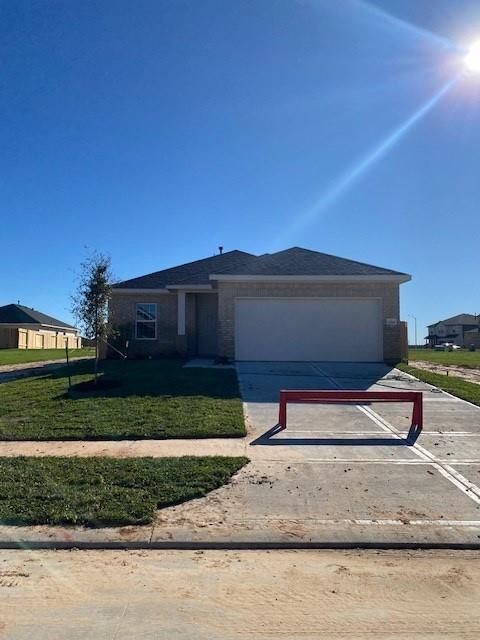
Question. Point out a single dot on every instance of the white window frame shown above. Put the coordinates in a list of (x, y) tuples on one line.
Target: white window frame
[(144, 321)]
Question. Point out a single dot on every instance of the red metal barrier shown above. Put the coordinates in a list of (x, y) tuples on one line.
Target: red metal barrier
[(352, 397)]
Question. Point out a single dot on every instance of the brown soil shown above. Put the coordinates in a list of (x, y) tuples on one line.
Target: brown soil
[(472, 375), (229, 595)]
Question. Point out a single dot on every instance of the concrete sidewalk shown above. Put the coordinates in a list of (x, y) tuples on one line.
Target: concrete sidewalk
[(127, 448), (25, 369)]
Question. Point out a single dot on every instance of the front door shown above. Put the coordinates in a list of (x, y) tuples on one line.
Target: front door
[(207, 316)]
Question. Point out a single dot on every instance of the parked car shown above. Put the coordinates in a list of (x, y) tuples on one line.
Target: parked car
[(446, 346)]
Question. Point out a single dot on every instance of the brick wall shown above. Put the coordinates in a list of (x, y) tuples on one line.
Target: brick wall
[(122, 315), (122, 312), (387, 292)]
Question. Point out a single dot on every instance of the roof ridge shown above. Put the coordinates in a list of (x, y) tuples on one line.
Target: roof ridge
[(227, 270), (185, 264), (250, 255), (266, 259), (330, 255)]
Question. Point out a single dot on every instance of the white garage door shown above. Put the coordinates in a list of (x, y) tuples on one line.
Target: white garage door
[(306, 329)]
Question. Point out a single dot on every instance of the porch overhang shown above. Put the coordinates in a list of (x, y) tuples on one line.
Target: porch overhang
[(189, 287), (181, 290)]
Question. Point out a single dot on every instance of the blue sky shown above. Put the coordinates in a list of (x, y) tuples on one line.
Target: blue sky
[(157, 130)]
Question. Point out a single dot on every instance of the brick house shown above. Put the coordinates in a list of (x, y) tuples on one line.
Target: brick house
[(293, 305), (26, 328), (452, 330)]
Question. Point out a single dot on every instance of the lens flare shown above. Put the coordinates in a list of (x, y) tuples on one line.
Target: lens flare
[(472, 59), (398, 24), (344, 182)]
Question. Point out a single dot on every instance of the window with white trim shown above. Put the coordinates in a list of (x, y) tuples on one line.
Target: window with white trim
[(146, 321)]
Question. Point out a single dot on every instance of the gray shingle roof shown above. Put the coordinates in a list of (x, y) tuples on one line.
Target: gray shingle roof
[(196, 272), (304, 262), (295, 261), (18, 314), (462, 318)]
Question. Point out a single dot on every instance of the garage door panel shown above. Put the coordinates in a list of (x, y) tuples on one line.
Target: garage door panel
[(308, 329)]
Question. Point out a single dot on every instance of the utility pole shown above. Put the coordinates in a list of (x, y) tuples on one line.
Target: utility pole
[(415, 318)]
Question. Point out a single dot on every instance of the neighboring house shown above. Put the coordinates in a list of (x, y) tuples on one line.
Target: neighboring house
[(294, 305), (25, 328), (452, 330)]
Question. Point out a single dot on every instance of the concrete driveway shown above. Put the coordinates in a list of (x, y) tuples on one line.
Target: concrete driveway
[(343, 474)]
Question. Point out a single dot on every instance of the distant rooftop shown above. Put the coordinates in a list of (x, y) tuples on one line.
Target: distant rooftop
[(462, 318), (19, 314)]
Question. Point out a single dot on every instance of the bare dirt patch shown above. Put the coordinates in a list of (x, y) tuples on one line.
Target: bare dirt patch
[(240, 594), (472, 375)]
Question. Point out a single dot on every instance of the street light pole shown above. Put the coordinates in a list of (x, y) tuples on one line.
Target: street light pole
[(415, 318)]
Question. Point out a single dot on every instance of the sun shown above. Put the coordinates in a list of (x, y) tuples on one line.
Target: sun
[(472, 59)]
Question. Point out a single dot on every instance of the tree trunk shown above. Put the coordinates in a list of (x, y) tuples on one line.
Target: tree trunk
[(96, 345), (96, 359)]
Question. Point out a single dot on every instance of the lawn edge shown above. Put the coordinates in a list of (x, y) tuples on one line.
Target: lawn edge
[(443, 382)]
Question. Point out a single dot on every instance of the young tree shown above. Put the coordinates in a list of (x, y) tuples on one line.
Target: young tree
[(90, 302)]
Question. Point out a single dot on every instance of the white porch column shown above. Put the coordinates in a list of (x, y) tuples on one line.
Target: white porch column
[(181, 313)]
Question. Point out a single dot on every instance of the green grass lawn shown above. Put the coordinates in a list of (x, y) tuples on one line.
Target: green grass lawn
[(462, 358), (156, 399), (103, 491), (19, 356), (452, 384)]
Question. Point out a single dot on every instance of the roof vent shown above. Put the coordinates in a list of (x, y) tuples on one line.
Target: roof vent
[(220, 249)]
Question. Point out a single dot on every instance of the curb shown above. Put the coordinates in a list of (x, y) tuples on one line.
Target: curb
[(235, 546)]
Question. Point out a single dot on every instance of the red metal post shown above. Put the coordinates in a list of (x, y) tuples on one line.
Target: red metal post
[(417, 416), (282, 410)]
